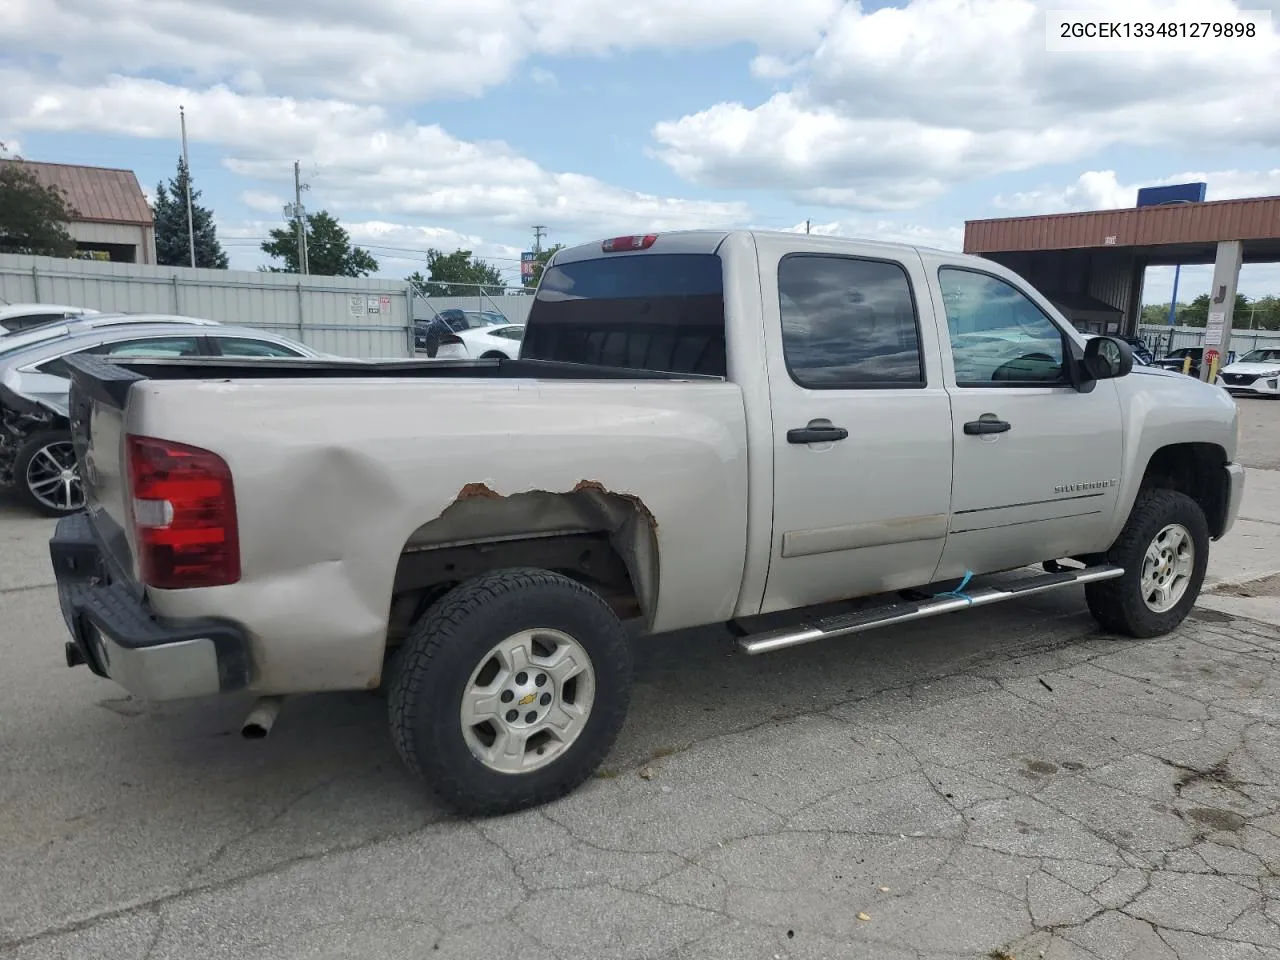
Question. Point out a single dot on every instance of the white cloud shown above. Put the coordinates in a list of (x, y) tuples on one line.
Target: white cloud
[(898, 104), (889, 231), (767, 66), (1256, 280), (390, 50), (1102, 190), (365, 161), (264, 202)]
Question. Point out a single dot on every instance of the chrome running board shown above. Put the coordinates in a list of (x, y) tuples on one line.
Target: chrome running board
[(844, 625)]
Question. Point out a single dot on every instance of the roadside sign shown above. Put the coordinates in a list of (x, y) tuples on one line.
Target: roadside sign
[(527, 263), (1213, 329)]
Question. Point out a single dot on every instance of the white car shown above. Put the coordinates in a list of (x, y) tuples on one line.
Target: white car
[(20, 316), (501, 342), (1256, 374), (467, 335)]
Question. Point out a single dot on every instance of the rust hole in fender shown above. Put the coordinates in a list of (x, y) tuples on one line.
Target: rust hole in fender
[(477, 491), (595, 486)]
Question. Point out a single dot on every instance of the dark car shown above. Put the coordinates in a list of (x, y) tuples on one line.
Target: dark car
[(1174, 359), (1141, 352), (428, 335)]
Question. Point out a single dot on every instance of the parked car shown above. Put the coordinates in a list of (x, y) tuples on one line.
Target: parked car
[(73, 327), (1141, 357), (36, 457), (705, 427), (20, 316), (1174, 359), (1256, 374), (468, 333), (1141, 352), (486, 343)]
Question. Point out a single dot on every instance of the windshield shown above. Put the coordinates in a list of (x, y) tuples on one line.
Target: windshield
[(484, 318), (1261, 356)]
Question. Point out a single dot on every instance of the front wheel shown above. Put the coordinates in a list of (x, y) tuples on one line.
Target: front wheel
[(510, 691), (1164, 549), (46, 476)]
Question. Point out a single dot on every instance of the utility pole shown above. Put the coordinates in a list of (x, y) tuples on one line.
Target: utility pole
[(806, 226), (539, 231), (300, 217), (186, 162)]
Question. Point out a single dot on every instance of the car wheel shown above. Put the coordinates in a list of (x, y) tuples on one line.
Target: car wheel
[(46, 476), (510, 691), (494, 355), (1164, 549)]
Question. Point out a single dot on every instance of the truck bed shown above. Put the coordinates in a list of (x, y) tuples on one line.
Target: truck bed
[(109, 379)]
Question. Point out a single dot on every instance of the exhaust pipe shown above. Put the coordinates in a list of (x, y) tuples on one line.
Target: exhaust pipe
[(261, 718)]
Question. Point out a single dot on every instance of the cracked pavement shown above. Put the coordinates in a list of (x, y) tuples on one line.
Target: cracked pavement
[(1006, 782)]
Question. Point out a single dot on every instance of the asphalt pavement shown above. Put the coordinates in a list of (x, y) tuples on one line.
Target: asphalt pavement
[(1006, 782)]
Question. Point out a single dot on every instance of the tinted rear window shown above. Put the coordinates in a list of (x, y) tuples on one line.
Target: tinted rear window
[(647, 312)]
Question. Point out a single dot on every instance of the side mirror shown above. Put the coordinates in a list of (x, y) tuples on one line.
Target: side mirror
[(1106, 358)]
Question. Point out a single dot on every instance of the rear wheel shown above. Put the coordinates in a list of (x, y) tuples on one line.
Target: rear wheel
[(510, 691), (494, 355), (45, 475), (1164, 549)]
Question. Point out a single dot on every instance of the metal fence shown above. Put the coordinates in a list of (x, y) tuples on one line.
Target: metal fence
[(1163, 339), (353, 317), (511, 302)]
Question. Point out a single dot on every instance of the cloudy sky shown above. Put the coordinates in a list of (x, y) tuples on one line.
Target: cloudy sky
[(464, 122)]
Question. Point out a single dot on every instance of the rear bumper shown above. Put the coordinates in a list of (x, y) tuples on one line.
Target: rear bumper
[(116, 635), (1235, 493)]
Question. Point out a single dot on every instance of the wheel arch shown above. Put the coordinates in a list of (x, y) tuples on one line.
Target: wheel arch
[(603, 539), (1196, 469)]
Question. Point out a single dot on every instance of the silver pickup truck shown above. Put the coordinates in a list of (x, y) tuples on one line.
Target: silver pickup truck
[(800, 437)]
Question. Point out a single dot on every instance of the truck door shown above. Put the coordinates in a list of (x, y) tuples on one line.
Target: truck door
[(861, 421), (1037, 463)]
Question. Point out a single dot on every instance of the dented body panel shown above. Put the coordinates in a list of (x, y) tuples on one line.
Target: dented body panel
[(332, 485)]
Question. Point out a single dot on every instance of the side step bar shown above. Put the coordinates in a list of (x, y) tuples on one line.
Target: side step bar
[(893, 613)]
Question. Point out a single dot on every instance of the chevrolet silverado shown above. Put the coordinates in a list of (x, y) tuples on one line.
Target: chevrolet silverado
[(799, 437)]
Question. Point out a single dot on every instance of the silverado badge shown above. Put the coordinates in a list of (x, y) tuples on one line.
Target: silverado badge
[(1086, 485)]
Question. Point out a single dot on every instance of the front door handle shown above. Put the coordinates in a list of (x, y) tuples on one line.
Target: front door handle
[(978, 427), (816, 431)]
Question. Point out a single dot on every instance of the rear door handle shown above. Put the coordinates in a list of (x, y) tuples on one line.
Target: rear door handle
[(817, 431), (978, 427)]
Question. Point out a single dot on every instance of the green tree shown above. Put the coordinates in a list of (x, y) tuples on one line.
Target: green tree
[(33, 217), (1155, 313), (1196, 314), (172, 240), (1262, 314), (457, 274), (540, 264), (329, 249)]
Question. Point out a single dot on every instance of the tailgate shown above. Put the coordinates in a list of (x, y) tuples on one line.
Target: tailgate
[(97, 408)]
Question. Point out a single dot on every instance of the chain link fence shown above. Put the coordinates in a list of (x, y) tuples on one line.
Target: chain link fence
[(1162, 339)]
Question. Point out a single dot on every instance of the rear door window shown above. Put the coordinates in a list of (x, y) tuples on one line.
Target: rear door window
[(153, 347), (244, 347), (660, 312), (848, 323)]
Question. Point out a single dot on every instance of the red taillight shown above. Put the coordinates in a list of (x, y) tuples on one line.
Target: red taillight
[(619, 244), (183, 507)]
